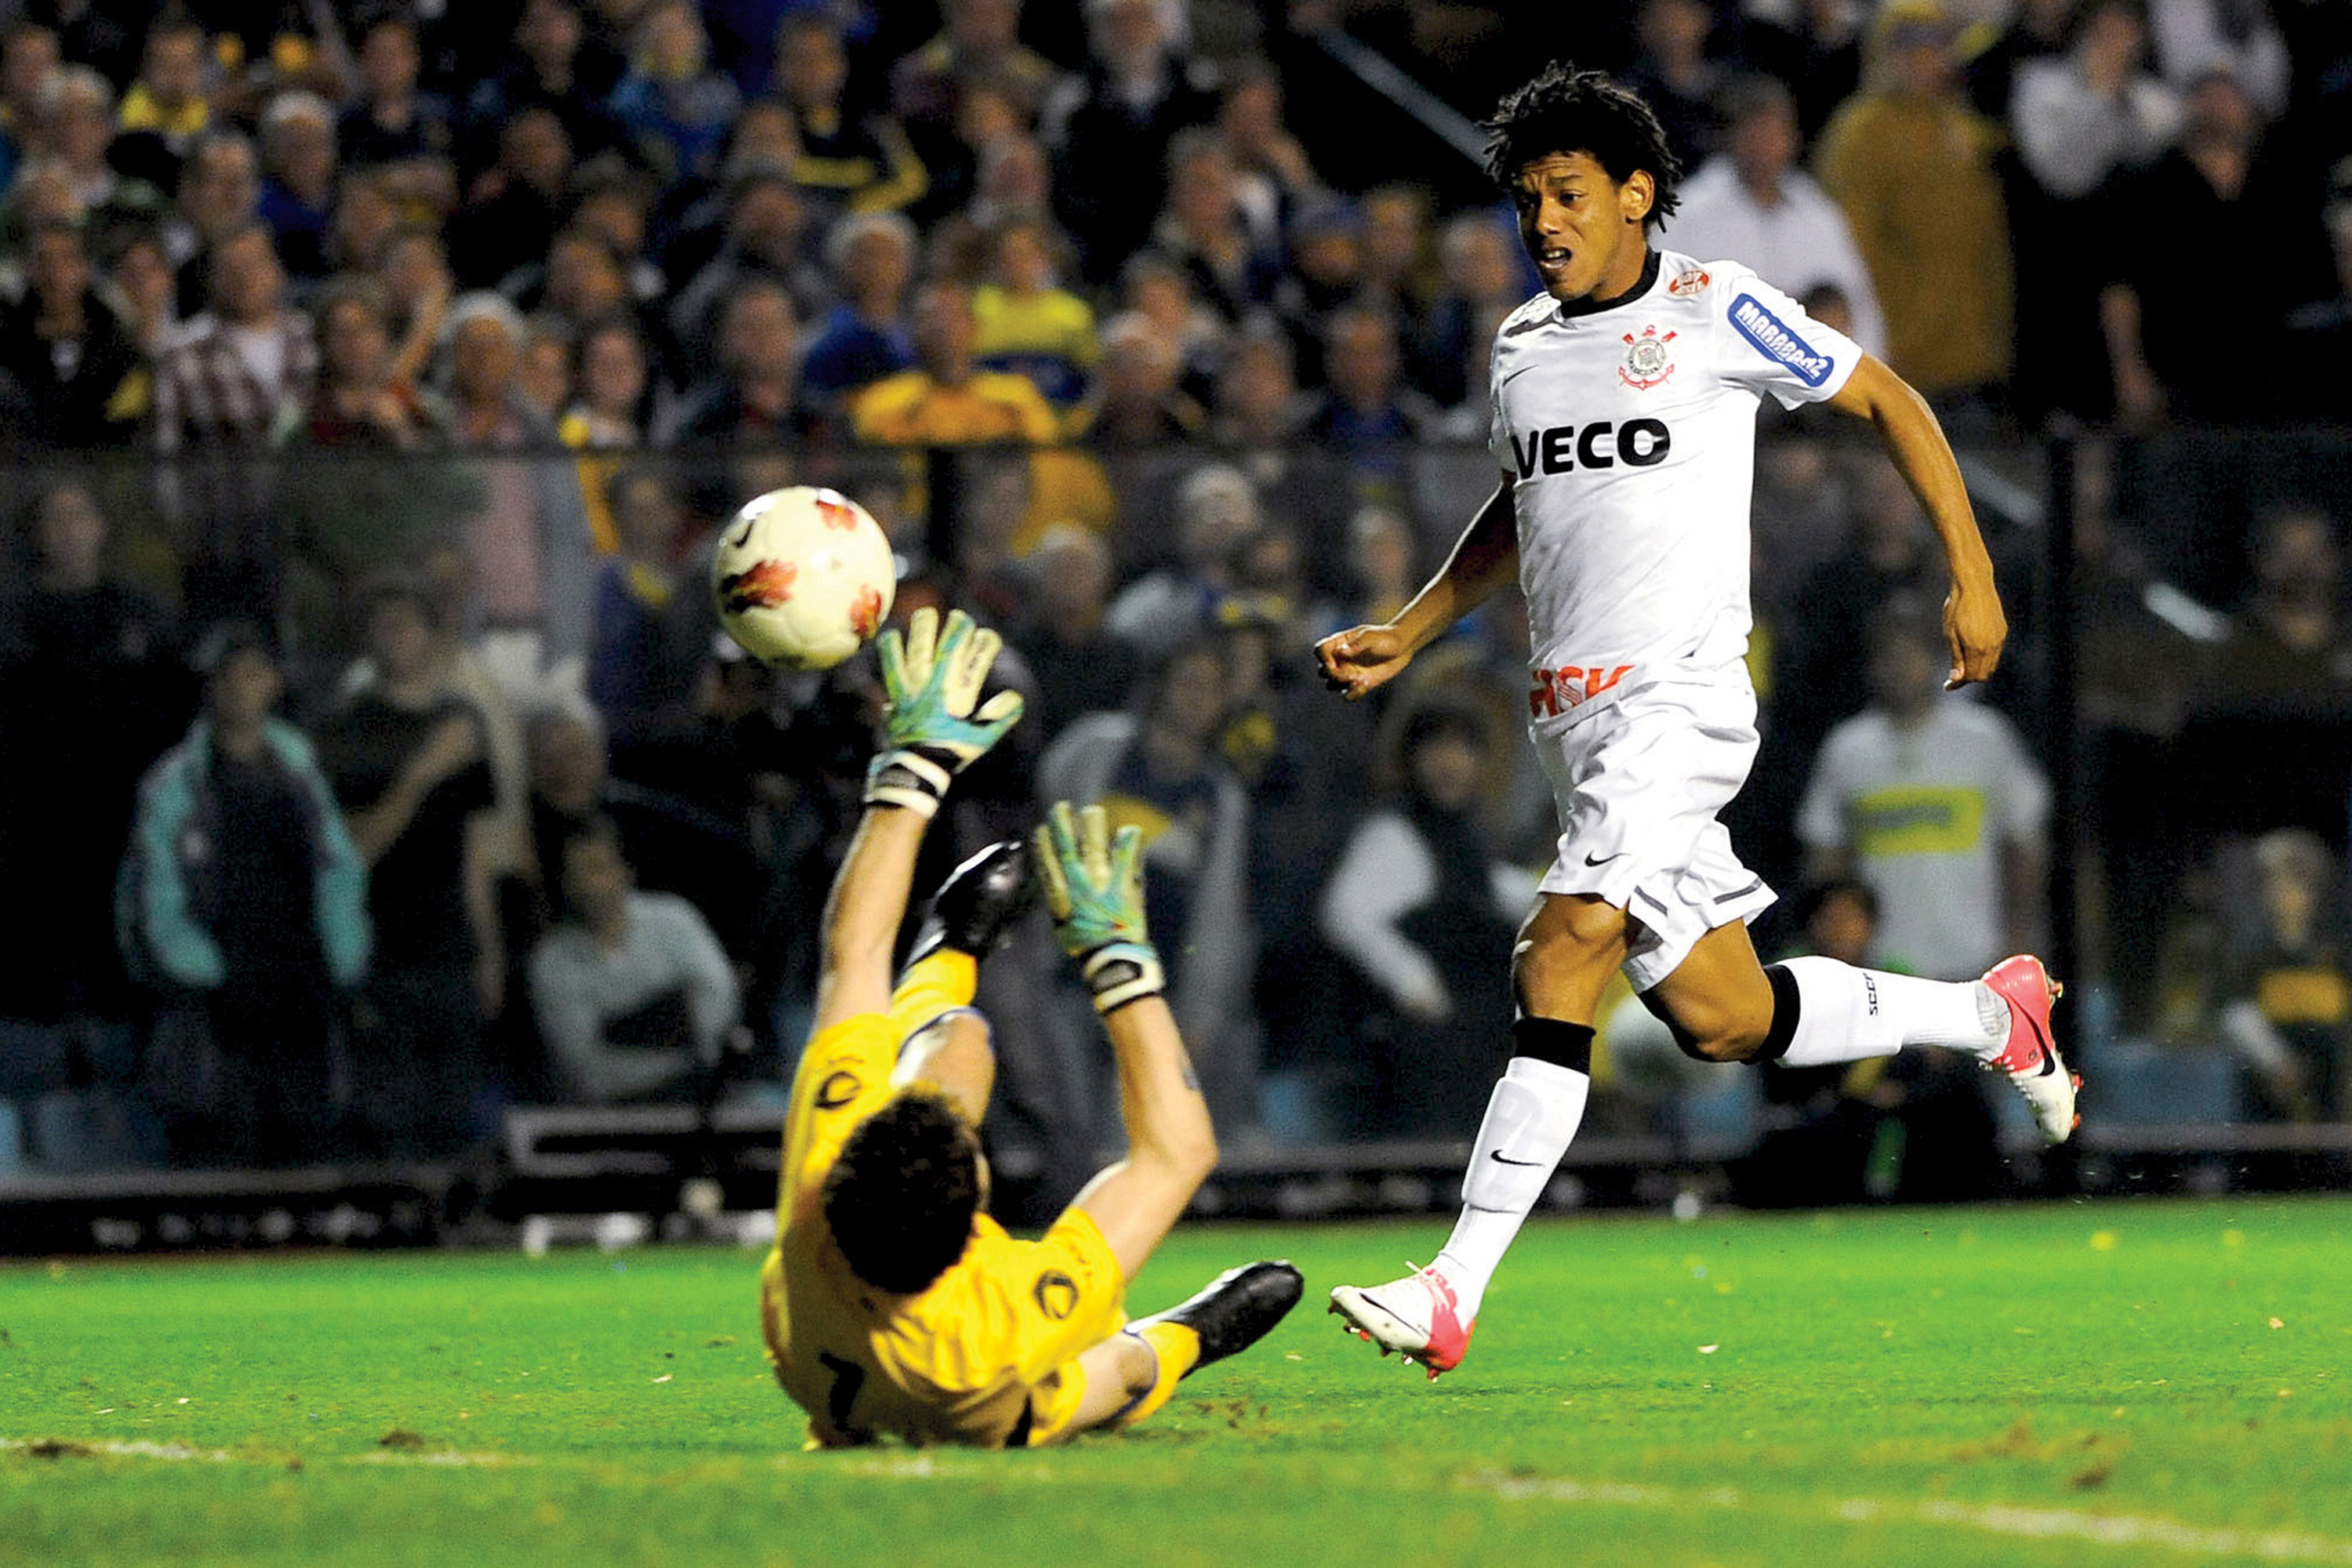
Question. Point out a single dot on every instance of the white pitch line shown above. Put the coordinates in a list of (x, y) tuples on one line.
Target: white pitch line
[(115, 1448), (888, 1466), (75, 1448), (2118, 1529), (1558, 1489), (2032, 1523)]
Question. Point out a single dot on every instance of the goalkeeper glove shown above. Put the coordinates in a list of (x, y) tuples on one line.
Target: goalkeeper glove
[(932, 677), (1094, 887)]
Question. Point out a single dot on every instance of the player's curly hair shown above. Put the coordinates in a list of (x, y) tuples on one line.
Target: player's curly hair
[(900, 1200), (1564, 110)]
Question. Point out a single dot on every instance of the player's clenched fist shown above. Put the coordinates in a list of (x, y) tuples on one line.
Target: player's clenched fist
[(1975, 627), (1363, 658), (932, 679), (1094, 889)]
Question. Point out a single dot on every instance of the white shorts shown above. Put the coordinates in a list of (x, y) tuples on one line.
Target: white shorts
[(1638, 782)]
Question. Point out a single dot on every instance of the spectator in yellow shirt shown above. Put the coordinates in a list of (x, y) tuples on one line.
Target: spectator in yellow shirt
[(1914, 170), (849, 161), (947, 399), (168, 96), (1029, 325)]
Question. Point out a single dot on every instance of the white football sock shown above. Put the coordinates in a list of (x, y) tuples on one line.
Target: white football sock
[(1531, 1118), (1846, 1015)]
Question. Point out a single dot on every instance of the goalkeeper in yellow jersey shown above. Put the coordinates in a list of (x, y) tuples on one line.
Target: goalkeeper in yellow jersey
[(892, 1305)]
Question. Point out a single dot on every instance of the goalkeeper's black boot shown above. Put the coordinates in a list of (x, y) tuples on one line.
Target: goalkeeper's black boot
[(1236, 1310), (977, 906)]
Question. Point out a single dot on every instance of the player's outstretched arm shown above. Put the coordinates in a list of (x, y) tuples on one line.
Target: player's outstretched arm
[(1974, 624), (1361, 660), (935, 726), (1094, 890)]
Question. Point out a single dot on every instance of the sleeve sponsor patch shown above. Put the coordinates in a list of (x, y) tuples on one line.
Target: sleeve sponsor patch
[(1773, 340)]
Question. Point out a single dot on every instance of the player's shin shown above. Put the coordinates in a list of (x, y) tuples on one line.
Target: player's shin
[(1826, 1012), (1531, 1118), (1175, 1347)]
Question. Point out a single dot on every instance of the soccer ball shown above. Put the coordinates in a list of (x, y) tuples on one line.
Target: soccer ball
[(803, 577)]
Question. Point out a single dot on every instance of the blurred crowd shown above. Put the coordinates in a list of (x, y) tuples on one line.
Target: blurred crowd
[(379, 375), (616, 224)]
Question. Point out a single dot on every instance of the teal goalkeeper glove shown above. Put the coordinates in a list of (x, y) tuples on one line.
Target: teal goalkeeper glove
[(931, 678), (1094, 887)]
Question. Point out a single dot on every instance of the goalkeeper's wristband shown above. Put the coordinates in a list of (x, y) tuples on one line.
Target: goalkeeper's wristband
[(908, 776), (1118, 973)]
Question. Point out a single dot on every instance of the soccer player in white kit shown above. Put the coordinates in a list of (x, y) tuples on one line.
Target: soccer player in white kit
[(1625, 399)]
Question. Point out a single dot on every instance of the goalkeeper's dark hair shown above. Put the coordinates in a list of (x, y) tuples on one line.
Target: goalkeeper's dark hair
[(1564, 110), (901, 1198)]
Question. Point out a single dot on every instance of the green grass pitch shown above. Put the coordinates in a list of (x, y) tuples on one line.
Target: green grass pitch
[(2068, 1384)]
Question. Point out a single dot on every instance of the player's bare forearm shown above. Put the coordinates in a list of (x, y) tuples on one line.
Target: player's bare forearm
[(934, 726), (1907, 427), (1363, 658), (1974, 624), (1160, 1094), (863, 912), (1094, 890), (1486, 557), (1171, 1147)]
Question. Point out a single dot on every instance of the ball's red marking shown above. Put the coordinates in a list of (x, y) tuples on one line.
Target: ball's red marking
[(760, 586), (835, 512), (865, 612)]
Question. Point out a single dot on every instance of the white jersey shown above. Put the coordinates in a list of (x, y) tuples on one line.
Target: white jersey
[(1926, 814), (1631, 433)]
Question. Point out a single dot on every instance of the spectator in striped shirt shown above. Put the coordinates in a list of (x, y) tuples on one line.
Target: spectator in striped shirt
[(244, 364)]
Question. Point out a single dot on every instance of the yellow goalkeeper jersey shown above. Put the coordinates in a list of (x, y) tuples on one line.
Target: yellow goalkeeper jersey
[(984, 1356)]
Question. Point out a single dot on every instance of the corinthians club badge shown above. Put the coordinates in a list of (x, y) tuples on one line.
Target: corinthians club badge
[(1646, 363)]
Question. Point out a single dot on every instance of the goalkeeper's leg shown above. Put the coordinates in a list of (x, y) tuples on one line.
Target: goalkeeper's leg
[(1122, 1374), (1132, 1374), (948, 1044)]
